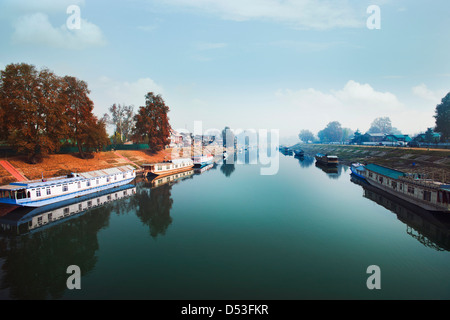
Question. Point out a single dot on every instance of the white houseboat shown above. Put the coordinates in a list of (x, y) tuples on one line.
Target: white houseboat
[(37, 193), (203, 160), (23, 220), (169, 167), (429, 195)]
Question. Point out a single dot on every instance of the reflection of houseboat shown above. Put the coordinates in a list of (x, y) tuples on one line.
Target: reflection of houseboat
[(23, 220), (327, 169), (203, 160), (357, 169), (43, 192), (204, 169), (286, 151), (327, 160), (166, 168), (431, 230), (427, 194), (162, 180)]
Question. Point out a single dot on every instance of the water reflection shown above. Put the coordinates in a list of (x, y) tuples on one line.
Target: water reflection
[(432, 230), (37, 245), (305, 161)]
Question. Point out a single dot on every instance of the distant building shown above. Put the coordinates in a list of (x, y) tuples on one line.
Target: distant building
[(396, 138), (373, 137), (176, 139), (436, 137)]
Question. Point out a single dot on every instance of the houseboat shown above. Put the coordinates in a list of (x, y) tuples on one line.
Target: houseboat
[(169, 167), (203, 160), (357, 170), (427, 194), (327, 160), (159, 181), (22, 220), (42, 192)]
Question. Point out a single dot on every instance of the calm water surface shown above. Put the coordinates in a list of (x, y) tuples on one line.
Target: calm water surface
[(231, 233)]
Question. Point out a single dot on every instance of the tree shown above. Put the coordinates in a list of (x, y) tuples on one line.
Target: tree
[(381, 125), (122, 117), (306, 135), (442, 116), (347, 134), (82, 122), (152, 122), (332, 133), (32, 113)]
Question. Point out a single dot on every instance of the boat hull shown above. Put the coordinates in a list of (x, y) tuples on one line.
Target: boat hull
[(356, 173), (428, 207), (169, 172), (47, 201)]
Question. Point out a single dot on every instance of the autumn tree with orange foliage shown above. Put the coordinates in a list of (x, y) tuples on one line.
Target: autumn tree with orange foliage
[(39, 111), (152, 123)]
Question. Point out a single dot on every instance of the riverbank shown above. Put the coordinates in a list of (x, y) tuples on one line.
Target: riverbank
[(55, 165), (432, 161)]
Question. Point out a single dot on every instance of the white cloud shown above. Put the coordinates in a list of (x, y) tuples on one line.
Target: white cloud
[(106, 91), (309, 14), (354, 106), (423, 92), (36, 29)]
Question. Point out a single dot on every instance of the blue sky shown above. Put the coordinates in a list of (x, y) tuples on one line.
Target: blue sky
[(255, 64)]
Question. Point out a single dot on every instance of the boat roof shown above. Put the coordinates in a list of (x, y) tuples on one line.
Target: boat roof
[(175, 161), (388, 172), (64, 179)]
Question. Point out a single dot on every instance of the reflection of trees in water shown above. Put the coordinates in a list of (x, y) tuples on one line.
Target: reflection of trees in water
[(153, 208), (306, 161), (36, 264), (227, 169)]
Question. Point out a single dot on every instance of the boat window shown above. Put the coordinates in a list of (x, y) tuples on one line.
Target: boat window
[(88, 183), (394, 184), (65, 188), (410, 189), (79, 185), (98, 181), (107, 179), (50, 216), (89, 204), (38, 192), (115, 177), (80, 207), (427, 195), (49, 191)]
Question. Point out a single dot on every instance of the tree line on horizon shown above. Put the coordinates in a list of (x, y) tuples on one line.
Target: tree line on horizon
[(40, 112), (334, 132)]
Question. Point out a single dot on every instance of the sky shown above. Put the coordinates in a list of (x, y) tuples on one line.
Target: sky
[(286, 65)]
